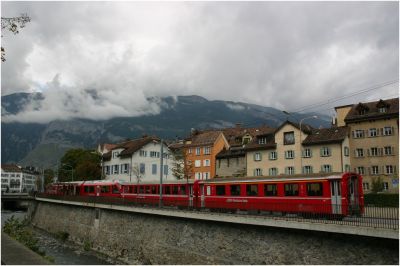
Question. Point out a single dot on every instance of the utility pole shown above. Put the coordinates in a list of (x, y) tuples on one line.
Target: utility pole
[(161, 171)]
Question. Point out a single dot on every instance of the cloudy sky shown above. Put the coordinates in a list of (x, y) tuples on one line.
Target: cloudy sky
[(103, 59)]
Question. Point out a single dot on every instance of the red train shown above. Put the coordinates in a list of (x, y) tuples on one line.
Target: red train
[(337, 194)]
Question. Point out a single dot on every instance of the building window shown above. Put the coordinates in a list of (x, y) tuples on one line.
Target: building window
[(374, 151), (389, 169), (197, 163), (358, 134), (125, 168), (206, 162), (346, 151), (155, 154), (307, 153), (288, 138), (387, 131), (257, 156), (325, 151), (154, 169), (326, 168), (258, 172), (289, 170), (262, 140), (361, 170), (107, 170), (359, 152), (165, 172), (307, 169), (388, 150), (116, 169), (115, 154), (382, 109), (197, 176), (366, 186), (198, 151), (142, 168), (143, 153), (207, 150), (273, 171), (189, 151), (347, 168), (375, 170), (289, 154), (372, 132), (206, 175), (273, 155), (385, 185)]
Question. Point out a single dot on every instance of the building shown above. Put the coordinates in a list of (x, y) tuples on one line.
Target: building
[(374, 140), (201, 149), (232, 162), (16, 179), (138, 160), (289, 151)]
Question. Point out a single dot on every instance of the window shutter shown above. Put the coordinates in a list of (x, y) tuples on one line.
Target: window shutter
[(321, 152), (394, 169), (261, 171), (254, 156), (260, 156), (310, 153), (392, 130), (368, 152), (380, 151), (329, 151), (311, 170)]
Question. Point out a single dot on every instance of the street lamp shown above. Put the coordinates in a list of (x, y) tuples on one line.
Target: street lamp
[(301, 155), (72, 170)]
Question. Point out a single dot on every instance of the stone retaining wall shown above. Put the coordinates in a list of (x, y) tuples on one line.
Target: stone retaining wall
[(150, 239)]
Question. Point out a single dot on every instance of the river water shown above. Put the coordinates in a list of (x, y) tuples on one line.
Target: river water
[(63, 253)]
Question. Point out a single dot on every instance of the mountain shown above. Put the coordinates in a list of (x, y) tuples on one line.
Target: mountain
[(43, 144)]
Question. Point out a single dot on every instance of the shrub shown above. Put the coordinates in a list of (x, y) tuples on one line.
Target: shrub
[(382, 200)]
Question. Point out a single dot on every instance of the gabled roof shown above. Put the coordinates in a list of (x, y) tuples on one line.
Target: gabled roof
[(204, 138), (370, 110), (129, 147), (268, 144), (305, 128), (10, 168), (231, 153), (232, 134), (326, 135)]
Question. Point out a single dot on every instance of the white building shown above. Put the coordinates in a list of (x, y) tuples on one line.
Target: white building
[(139, 158), (15, 179)]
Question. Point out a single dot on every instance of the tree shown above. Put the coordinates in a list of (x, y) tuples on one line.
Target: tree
[(377, 184), (180, 168), (137, 174), (85, 165), (13, 24)]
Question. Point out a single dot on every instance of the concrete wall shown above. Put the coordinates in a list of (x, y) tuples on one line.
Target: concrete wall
[(150, 239), (235, 166)]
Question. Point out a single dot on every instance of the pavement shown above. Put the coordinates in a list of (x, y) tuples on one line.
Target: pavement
[(14, 253)]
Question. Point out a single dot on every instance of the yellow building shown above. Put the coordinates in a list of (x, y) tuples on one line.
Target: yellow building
[(292, 151), (374, 140)]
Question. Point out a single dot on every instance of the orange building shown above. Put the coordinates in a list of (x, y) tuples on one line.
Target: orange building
[(200, 152)]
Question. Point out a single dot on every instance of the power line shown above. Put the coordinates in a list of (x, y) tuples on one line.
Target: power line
[(312, 106)]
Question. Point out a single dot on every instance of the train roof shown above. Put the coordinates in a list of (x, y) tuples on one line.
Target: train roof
[(298, 177), (165, 182)]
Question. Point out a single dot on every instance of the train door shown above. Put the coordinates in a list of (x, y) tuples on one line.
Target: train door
[(353, 195), (336, 198), (202, 197), (190, 196)]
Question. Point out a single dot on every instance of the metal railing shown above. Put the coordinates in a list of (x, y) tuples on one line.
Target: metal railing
[(366, 216)]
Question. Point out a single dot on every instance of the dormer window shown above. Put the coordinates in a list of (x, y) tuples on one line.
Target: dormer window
[(382, 109), (362, 109), (382, 106), (246, 140), (262, 140), (115, 154)]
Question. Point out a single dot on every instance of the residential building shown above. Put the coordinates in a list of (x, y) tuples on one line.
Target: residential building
[(374, 140), (290, 151), (201, 149), (232, 162), (16, 179), (138, 160)]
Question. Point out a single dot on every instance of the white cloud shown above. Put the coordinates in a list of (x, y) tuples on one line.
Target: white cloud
[(278, 54)]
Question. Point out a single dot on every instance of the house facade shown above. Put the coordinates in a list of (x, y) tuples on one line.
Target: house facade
[(138, 161), (200, 153), (15, 179), (290, 151), (374, 141)]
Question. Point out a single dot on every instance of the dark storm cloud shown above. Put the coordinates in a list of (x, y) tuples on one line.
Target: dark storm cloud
[(281, 54)]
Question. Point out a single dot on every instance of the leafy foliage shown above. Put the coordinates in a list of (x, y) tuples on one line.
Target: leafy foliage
[(13, 25), (377, 185), (382, 200), (80, 164)]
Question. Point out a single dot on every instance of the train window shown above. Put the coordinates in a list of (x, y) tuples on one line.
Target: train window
[(89, 189), (252, 190), (291, 189), (153, 189), (115, 190), (141, 189), (147, 189), (220, 190), (167, 190), (175, 190), (183, 190), (314, 189), (270, 190), (134, 189), (105, 189), (235, 190)]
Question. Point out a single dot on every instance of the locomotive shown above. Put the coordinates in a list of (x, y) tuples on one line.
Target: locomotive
[(338, 194)]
